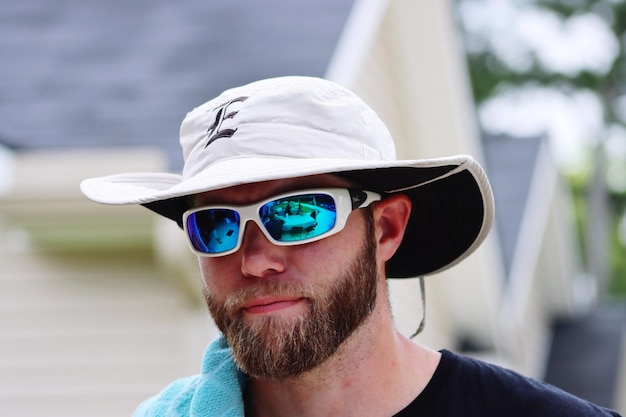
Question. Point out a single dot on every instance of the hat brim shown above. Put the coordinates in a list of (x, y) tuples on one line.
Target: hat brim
[(452, 201)]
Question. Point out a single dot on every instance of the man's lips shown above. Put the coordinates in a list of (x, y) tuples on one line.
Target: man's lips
[(270, 304)]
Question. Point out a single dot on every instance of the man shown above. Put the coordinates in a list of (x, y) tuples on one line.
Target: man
[(304, 313)]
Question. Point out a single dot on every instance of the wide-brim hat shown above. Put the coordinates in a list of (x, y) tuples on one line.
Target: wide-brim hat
[(291, 127)]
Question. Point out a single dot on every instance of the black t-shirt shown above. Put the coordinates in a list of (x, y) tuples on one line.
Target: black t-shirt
[(467, 387)]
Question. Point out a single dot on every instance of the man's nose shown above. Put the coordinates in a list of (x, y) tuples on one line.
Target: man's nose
[(259, 256)]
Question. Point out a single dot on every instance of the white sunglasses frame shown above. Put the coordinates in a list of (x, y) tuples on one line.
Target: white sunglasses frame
[(346, 201)]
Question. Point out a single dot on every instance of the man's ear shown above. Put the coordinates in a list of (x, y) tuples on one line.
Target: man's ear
[(391, 216)]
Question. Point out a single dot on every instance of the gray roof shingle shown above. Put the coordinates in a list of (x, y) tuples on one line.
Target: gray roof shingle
[(115, 73), (510, 164)]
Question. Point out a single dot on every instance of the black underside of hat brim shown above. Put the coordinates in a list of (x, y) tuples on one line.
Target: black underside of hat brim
[(446, 218), (172, 208)]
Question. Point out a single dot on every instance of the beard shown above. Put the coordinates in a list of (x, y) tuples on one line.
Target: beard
[(275, 347)]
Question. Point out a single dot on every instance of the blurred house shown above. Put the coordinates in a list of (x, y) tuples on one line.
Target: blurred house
[(100, 306)]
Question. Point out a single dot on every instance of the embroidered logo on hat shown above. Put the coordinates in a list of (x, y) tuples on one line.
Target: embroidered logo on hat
[(214, 131)]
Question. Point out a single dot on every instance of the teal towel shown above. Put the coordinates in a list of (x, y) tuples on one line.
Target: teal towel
[(216, 392)]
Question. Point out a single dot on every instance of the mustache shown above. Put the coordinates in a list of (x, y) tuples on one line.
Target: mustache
[(235, 300)]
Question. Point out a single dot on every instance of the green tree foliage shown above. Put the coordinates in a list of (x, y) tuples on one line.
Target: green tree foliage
[(490, 72)]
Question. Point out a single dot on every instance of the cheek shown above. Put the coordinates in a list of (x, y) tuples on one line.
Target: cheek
[(214, 272), (331, 254)]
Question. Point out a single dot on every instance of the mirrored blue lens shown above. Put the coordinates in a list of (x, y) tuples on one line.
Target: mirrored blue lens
[(288, 219), (213, 230), (299, 217)]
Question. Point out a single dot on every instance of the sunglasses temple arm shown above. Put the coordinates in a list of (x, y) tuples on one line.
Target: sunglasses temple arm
[(362, 198), (371, 197)]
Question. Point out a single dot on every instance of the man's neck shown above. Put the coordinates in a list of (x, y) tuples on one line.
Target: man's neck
[(375, 372)]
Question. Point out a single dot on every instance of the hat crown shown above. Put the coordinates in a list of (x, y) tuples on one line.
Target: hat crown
[(286, 117)]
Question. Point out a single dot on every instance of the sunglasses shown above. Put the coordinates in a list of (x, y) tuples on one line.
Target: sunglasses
[(288, 219)]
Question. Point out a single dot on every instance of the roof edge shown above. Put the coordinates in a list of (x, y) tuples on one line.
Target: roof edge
[(358, 34)]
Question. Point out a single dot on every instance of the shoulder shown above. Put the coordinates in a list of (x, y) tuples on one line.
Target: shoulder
[(481, 388)]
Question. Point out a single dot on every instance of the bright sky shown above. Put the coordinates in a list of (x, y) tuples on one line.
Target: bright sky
[(573, 122)]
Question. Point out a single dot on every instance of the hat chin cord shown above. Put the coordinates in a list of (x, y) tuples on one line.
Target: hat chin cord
[(423, 321)]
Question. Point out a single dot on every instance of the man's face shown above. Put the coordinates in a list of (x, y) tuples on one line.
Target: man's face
[(285, 310)]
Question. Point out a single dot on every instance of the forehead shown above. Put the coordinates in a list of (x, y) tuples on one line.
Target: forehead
[(252, 192)]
